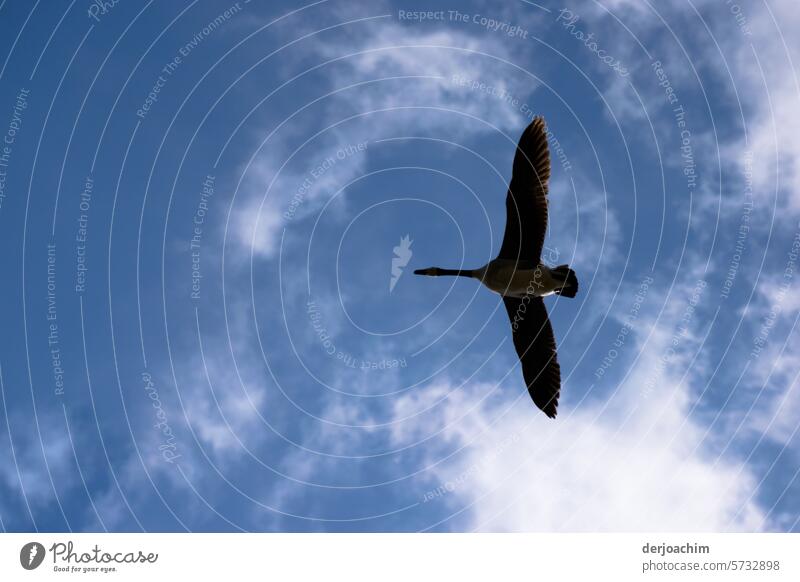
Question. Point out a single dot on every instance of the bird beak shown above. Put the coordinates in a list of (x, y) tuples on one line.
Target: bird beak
[(430, 272)]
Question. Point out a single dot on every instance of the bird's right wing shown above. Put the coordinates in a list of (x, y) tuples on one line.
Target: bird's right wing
[(536, 348), (526, 201)]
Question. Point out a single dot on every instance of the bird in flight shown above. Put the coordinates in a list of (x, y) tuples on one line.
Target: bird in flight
[(519, 276)]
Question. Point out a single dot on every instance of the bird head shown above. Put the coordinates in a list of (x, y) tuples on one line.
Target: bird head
[(430, 272)]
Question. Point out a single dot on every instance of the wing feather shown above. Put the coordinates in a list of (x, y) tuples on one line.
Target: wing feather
[(536, 348), (526, 201)]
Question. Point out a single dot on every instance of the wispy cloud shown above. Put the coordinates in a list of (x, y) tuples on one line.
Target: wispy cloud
[(391, 80)]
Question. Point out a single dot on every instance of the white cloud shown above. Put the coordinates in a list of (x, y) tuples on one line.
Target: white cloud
[(220, 403), (589, 471), (759, 73), (768, 76), (635, 462), (41, 454), (38, 467), (771, 316)]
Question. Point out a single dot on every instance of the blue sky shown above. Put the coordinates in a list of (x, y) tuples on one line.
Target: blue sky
[(199, 209)]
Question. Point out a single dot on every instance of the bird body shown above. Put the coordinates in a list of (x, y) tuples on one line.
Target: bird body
[(519, 276), (508, 278)]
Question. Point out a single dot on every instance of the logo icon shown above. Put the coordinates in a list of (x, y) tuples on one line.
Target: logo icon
[(402, 254), (31, 555)]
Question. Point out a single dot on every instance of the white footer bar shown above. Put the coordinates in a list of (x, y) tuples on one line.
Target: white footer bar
[(390, 557)]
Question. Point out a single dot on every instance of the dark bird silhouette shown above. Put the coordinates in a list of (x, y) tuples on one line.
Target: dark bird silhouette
[(519, 276)]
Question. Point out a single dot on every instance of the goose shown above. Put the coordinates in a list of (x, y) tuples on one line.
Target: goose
[(518, 274)]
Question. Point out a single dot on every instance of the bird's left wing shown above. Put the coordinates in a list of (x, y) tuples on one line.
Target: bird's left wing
[(526, 201), (536, 348)]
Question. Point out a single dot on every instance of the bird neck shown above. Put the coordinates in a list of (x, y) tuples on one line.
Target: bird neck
[(456, 272)]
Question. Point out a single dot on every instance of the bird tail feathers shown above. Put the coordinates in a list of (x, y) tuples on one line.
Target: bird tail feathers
[(570, 288)]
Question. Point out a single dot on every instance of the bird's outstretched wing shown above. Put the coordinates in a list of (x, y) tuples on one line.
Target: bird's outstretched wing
[(536, 347), (526, 201)]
